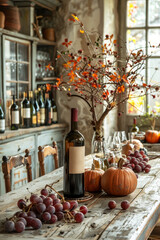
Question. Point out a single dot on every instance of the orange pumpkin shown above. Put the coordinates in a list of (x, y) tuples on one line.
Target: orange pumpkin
[(92, 179), (119, 181), (152, 136)]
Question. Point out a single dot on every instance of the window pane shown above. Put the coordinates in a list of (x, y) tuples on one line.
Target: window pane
[(10, 50), (10, 90), (136, 13), (23, 88), (136, 39), (136, 103), (154, 71), (154, 103), (22, 52), (154, 39), (22, 72), (154, 13), (11, 71)]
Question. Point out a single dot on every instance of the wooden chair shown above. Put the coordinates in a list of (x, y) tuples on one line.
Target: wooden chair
[(47, 151), (155, 234), (13, 162)]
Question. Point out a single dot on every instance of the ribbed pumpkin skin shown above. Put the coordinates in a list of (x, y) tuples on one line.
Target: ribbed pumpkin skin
[(92, 180), (119, 182), (152, 136)]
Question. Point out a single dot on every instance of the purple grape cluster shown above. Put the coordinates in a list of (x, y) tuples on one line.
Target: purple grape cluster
[(138, 162), (46, 208)]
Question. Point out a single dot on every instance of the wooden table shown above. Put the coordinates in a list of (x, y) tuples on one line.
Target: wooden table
[(100, 223)]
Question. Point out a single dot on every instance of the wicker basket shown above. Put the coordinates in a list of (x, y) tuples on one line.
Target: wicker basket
[(12, 19)]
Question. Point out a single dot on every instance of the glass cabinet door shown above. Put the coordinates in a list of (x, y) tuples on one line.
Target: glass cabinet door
[(17, 73)]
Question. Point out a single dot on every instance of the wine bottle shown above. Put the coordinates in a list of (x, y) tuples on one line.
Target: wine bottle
[(135, 128), (21, 117), (33, 111), (42, 108), (47, 110), (2, 119), (14, 115), (36, 105), (26, 115), (53, 109), (74, 160)]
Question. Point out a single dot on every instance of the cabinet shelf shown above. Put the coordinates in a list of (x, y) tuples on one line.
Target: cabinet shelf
[(46, 79)]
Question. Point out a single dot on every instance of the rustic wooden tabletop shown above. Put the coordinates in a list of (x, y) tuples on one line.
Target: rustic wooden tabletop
[(100, 222)]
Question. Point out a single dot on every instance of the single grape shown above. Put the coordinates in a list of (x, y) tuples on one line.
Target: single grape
[(36, 223), (79, 217), (111, 204), (23, 214), (148, 166), (46, 216), (58, 207), (142, 165), (29, 220), (147, 170), (53, 196), (18, 213), (125, 204), (36, 199), (146, 159), (83, 209), (40, 207), (73, 204), (44, 192), (19, 226), (138, 168), (53, 218), (56, 200), (43, 197), (22, 220), (50, 209), (66, 205), (31, 214), (48, 201), (33, 196), (21, 203), (60, 215), (9, 226)]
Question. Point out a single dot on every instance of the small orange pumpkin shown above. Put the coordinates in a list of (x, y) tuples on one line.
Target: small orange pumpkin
[(152, 136), (92, 179), (119, 181)]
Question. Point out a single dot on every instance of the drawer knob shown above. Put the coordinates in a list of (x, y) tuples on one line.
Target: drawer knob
[(51, 138)]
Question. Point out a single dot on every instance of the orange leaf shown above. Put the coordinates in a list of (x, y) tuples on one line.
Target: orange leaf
[(75, 17)]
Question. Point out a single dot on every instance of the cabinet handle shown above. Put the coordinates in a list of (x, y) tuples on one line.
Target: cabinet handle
[(19, 148), (51, 138)]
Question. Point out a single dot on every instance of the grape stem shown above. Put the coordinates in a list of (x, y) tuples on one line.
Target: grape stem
[(63, 199)]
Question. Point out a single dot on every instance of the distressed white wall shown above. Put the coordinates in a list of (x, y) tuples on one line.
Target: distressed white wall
[(96, 15)]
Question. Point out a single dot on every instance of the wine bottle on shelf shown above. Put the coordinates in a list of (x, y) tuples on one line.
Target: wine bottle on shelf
[(42, 108), (47, 110), (2, 119), (36, 105), (135, 128), (21, 117), (74, 160), (14, 115), (26, 115), (33, 111), (54, 114)]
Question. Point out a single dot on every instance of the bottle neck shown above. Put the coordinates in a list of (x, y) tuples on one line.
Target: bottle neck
[(74, 125), (134, 122)]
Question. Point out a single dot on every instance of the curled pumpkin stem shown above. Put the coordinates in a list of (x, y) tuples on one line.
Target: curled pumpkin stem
[(121, 162)]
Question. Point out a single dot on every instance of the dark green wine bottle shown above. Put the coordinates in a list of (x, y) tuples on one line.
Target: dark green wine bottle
[(74, 160), (36, 105), (33, 111), (14, 115), (26, 115), (2, 119), (42, 108), (47, 110)]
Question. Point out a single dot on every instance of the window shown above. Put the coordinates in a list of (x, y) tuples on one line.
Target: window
[(143, 31)]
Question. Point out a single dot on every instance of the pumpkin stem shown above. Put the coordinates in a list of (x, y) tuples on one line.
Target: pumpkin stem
[(120, 162), (93, 166)]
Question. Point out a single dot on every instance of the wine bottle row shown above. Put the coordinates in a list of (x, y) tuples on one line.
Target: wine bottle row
[(33, 112)]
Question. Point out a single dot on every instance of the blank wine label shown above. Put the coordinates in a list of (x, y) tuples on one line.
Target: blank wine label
[(76, 160)]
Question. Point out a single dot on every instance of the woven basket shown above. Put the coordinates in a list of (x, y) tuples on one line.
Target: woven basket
[(12, 19)]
